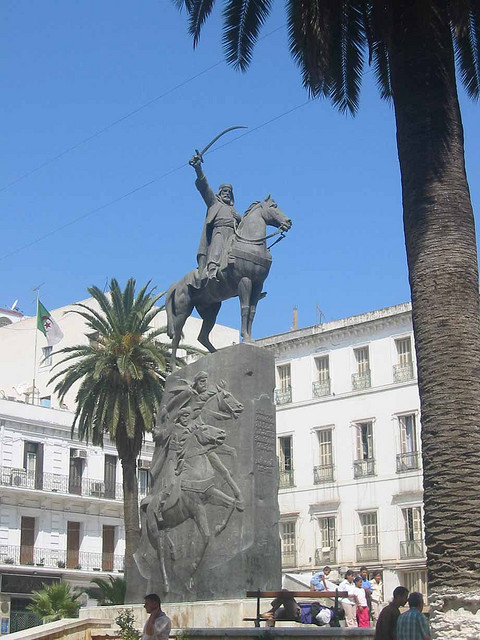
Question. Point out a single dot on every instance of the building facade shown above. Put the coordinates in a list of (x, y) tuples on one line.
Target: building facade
[(348, 427), (61, 500)]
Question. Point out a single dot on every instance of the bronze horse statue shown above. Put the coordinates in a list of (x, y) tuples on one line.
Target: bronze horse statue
[(246, 267)]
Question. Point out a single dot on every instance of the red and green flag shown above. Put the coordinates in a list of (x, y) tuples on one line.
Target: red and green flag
[(47, 325)]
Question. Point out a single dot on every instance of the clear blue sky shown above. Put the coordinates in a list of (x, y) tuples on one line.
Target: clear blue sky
[(70, 69)]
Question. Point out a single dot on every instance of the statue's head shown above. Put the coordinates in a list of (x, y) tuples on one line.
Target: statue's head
[(183, 416), (200, 381), (225, 193)]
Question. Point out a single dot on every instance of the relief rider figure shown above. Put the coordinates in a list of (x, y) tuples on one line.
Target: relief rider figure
[(220, 222)]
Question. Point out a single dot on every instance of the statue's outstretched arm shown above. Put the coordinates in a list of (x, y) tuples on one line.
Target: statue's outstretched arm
[(201, 182)]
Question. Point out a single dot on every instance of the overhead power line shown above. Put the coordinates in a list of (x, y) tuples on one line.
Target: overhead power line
[(146, 184), (128, 115)]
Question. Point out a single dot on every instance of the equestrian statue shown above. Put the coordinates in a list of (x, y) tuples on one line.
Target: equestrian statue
[(233, 260)]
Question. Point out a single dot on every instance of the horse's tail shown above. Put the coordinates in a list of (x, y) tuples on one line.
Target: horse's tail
[(170, 308)]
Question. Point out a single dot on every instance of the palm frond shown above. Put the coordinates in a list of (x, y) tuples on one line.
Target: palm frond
[(243, 20), (198, 10), (466, 40), (381, 68)]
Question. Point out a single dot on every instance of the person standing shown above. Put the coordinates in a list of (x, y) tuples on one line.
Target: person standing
[(413, 625), (349, 604), (377, 595), (386, 627), (158, 625), (363, 613)]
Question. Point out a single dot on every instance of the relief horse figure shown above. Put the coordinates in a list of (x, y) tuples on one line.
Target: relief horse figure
[(244, 268), (185, 485)]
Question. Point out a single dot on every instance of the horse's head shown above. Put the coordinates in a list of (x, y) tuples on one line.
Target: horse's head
[(207, 434), (274, 216), (228, 404)]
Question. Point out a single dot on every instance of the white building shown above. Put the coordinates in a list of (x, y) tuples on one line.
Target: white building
[(348, 426), (61, 508)]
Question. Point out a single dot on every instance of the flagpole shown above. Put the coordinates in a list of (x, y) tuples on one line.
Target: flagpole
[(35, 347)]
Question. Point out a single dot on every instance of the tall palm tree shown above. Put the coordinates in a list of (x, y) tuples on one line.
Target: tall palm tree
[(412, 45), (122, 377)]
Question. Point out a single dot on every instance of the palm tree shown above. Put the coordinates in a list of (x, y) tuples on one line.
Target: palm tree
[(412, 45), (122, 376), (108, 592), (54, 602)]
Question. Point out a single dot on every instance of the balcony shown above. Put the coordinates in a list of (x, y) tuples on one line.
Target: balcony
[(366, 552), (364, 468), (283, 396), (323, 473), (286, 479), (56, 483), (289, 558), (403, 372), (325, 556), (412, 549), (408, 461), (60, 558), (321, 388), (361, 381)]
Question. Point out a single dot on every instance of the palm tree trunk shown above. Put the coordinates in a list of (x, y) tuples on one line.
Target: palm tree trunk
[(130, 513), (443, 273)]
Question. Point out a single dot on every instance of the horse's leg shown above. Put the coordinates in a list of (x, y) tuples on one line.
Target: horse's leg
[(183, 307), (156, 540), (244, 293), (199, 516), (209, 314), (254, 298), (217, 497)]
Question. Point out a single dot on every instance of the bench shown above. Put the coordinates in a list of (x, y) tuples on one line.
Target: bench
[(295, 594)]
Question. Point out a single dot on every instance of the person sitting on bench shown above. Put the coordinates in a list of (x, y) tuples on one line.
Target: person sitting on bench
[(285, 607)]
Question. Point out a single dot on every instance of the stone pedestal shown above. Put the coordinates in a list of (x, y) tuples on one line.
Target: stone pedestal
[(240, 536)]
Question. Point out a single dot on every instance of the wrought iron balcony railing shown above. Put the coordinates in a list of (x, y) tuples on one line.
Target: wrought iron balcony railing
[(283, 396), (408, 461), (364, 468), (323, 473), (286, 479), (367, 552), (412, 549), (403, 372), (321, 388), (56, 483), (60, 558), (323, 557), (289, 558), (361, 381)]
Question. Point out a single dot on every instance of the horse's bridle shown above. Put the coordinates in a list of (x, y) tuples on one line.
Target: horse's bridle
[(279, 231)]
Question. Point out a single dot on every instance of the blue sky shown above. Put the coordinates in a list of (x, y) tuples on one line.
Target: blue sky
[(71, 69)]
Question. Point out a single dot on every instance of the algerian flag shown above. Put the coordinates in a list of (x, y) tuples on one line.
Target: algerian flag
[(47, 325)]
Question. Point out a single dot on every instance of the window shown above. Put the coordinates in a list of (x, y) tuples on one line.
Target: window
[(323, 472), (364, 464), (285, 456), (33, 464), (143, 481), (73, 545), (283, 393), (412, 547), (415, 581), (361, 379), (108, 547), (75, 472), (326, 553), (403, 370), (27, 540), (289, 544), (321, 386), (368, 550), (46, 357), (409, 456), (110, 476)]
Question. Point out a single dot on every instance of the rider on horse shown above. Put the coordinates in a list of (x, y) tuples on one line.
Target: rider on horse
[(220, 222)]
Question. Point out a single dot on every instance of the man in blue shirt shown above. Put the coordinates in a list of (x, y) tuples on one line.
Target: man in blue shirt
[(413, 625)]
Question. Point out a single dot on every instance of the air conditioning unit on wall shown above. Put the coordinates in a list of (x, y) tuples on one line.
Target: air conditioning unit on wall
[(143, 463), (18, 477), (79, 453)]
